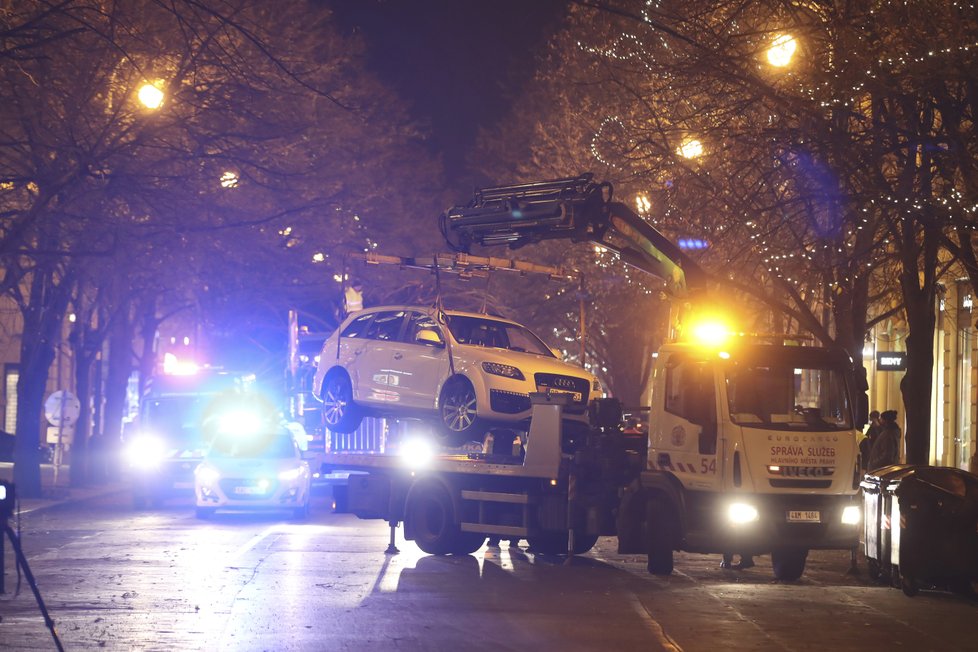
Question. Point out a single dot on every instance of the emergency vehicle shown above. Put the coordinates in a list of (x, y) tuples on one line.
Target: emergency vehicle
[(752, 445)]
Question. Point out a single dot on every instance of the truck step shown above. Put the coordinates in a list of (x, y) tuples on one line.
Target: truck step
[(503, 530), (497, 497)]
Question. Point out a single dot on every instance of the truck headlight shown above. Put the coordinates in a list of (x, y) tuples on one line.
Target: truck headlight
[(500, 369), (740, 513), (851, 515), (242, 423), (146, 452)]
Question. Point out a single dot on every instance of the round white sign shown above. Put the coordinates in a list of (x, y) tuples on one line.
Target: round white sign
[(62, 408)]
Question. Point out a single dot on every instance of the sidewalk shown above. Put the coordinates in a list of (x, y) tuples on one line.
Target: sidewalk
[(57, 491)]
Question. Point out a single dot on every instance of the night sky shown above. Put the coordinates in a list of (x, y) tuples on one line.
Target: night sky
[(458, 62)]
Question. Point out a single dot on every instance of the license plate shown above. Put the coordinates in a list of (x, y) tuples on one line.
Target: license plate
[(804, 516), (575, 396), (249, 490)]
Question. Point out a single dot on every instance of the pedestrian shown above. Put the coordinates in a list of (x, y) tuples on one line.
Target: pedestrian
[(746, 561), (866, 445), (886, 447)]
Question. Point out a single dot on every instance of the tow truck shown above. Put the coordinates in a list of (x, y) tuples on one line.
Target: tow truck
[(751, 446)]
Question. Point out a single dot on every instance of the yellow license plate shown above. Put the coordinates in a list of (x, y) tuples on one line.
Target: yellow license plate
[(804, 516)]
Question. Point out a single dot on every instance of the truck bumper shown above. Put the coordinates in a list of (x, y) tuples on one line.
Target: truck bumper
[(783, 521)]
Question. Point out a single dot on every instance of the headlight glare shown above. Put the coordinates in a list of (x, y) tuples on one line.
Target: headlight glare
[(290, 475), (740, 513), (145, 452), (851, 515), (207, 474), (500, 369)]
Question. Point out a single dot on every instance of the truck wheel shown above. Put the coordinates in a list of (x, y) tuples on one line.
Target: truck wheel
[(459, 422), (789, 563), (432, 519), (661, 529), (340, 413), (555, 543)]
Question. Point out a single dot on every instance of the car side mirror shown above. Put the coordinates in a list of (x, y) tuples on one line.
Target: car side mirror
[(429, 336), (557, 352)]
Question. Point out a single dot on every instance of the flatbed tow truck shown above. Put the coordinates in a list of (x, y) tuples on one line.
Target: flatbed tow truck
[(751, 446)]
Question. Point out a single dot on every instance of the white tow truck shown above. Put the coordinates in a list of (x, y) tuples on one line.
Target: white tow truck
[(751, 447)]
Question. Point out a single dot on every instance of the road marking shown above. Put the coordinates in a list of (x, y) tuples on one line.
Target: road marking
[(660, 635)]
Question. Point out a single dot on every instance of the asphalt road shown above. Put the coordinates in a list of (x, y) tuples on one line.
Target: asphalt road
[(117, 579)]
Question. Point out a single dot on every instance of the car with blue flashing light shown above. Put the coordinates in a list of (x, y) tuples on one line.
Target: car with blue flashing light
[(179, 415), (253, 467), (470, 371)]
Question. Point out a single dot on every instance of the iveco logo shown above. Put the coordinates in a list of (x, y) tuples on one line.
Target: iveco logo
[(564, 383)]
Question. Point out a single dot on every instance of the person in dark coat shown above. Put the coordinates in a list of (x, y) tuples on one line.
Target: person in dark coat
[(886, 446), (866, 445)]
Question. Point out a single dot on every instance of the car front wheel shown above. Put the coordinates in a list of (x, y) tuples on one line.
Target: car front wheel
[(340, 413), (458, 413)]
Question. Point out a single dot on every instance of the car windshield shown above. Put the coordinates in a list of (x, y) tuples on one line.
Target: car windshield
[(276, 446), (480, 331), (781, 397)]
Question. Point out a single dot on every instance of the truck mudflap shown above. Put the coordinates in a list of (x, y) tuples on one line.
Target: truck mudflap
[(761, 523)]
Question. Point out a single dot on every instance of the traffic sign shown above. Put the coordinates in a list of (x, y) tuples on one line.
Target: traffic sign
[(62, 408)]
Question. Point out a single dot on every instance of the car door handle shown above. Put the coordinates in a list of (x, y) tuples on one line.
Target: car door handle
[(398, 356)]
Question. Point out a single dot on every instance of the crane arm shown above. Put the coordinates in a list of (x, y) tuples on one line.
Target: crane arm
[(576, 209)]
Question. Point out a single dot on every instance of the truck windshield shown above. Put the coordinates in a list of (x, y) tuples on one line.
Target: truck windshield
[(478, 331), (780, 397), (178, 419)]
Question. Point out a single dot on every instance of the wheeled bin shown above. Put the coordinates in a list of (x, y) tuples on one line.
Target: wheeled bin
[(876, 517), (936, 532)]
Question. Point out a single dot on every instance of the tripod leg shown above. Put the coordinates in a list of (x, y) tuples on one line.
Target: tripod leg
[(22, 560)]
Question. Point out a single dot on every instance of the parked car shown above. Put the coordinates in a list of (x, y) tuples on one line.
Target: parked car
[(250, 469), (470, 371)]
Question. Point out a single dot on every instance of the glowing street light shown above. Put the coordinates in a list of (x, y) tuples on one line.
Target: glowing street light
[(690, 148), (150, 95), (229, 179), (782, 49), (643, 203)]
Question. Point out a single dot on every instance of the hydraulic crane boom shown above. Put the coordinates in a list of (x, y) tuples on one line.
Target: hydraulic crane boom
[(578, 209)]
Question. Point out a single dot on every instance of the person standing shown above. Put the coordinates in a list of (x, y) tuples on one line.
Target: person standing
[(866, 445), (886, 447)]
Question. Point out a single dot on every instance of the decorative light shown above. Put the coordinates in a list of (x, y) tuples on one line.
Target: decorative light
[(643, 203)]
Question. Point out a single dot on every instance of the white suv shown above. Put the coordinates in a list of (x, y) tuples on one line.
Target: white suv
[(471, 370)]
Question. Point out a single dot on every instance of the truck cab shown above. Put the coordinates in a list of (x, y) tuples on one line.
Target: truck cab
[(752, 448)]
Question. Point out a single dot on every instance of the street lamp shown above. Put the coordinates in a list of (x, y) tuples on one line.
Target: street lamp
[(690, 148), (150, 95), (782, 49)]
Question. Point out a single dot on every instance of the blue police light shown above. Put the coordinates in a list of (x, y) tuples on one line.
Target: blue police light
[(696, 244)]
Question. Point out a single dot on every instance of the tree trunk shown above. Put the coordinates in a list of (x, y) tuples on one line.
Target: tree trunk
[(43, 314), (117, 380), (917, 384)]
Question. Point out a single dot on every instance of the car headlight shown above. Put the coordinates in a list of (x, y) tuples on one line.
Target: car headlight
[(146, 452), (290, 475), (500, 369), (740, 513), (851, 515), (207, 474)]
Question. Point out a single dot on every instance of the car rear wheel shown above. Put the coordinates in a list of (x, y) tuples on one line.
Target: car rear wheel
[(459, 422), (340, 413)]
